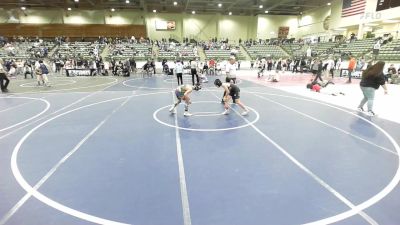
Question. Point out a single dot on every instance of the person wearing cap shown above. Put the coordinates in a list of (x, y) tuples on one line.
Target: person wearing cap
[(231, 91)]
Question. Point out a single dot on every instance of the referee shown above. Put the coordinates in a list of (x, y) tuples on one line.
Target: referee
[(193, 71)]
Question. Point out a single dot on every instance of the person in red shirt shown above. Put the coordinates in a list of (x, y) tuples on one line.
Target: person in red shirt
[(212, 66), (351, 67)]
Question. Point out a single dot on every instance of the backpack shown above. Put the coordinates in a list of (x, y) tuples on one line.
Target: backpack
[(44, 69)]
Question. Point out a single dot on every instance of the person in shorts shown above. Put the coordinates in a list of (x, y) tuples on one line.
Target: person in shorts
[(182, 93), (232, 91)]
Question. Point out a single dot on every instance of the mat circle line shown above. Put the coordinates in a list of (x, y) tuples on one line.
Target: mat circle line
[(205, 129), (87, 217), (27, 120), (141, 87), (114, 80), (32, 84)]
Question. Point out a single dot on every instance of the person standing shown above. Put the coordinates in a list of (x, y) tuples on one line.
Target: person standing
[(212, 66), (179, 72), (231, 70), (42, 73), (351, 67), (316, 68), (330, 67), (372, 78), (4, 81), (193, 71)]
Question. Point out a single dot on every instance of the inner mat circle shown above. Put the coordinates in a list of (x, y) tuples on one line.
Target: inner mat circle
[(246, 122), (58, 83)]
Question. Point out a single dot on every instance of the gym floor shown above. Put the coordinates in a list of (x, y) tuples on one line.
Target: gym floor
[(105, 150)]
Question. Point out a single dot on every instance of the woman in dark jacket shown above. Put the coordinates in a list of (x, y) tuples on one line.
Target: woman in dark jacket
[(372, 79)]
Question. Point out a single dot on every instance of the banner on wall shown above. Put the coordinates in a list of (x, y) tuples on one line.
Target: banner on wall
[(387, 4), (165, 25), (283, 32)]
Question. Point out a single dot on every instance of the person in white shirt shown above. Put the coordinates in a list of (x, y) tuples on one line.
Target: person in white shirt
[(377, 47), (231, 70), (308, 52), (231, 91), (330, 67), (179, 71), (193, 71), (182, 93)]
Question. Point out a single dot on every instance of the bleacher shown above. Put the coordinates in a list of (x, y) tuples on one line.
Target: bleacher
[(79, 49), (178, 52), (222, 54), (25, 50), (390, 51), (295, 49), (259, 51), (358, 47), (322, 48), (127, 50)]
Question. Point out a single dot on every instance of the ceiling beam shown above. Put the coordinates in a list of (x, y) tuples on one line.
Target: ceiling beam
[(143, 5), (90, 2), (233, 4), (186, 5), (276, 5)]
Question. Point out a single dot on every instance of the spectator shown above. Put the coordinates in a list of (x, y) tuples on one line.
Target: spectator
[(4, 81), (372, 78), (351, 67)]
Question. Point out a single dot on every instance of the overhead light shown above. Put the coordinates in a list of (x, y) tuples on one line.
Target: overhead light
[(266, 11), (175, 3), (112, 10), (127, 1), (301, 13), (76, 0), (260, 6), (69, 9), (230, 13), (328, 3), (391, 21), (220, 5), (193, 12), (154, 11), (23, 8)]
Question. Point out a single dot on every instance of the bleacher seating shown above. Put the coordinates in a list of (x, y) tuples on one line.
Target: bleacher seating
[(221, 54), (79, 49), (178, 52), (295, 49), (259, 51), (390, 51), (127, 50), (322, 48), (25, 50), (357, 48)]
